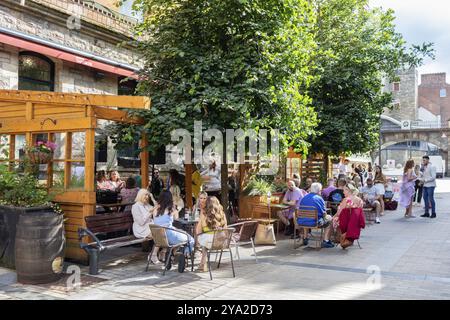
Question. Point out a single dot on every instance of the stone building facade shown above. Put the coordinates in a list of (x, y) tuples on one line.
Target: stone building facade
[(405, 95), (67, 46)]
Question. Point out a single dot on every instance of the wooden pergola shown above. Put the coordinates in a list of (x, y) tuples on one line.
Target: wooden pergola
[(26, 116)]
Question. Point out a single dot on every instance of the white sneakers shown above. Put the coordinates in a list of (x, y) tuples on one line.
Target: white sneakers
[(377, 220)]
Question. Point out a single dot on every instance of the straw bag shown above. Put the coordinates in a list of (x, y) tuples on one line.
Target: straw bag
[(265, 234)]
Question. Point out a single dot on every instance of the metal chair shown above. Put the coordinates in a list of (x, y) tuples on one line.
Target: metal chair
[(159, 236), (221, 241), (309, 213), (244, 235)]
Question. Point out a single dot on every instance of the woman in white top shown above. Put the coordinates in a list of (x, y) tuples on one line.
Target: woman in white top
[(143, 214), (178, 202), (212, 177)]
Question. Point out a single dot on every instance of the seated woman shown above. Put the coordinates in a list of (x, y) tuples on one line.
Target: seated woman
[(164, 216), (102, 182), (143, 215), (177, 201), (116, 181), (214, 218), (200, 207), (351, 200), (129, 193)]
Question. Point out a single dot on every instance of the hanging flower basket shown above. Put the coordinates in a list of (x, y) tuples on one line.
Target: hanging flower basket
[(40, 157), (42, 152)]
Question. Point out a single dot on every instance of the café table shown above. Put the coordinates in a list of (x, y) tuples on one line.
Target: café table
[(186, 225)]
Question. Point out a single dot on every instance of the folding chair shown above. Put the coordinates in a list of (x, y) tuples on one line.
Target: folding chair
[(221, 242), (244, 235), (160, 240)]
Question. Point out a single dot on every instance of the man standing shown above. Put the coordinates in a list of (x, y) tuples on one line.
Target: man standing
[(291, 198), (429, 184), (157, 184), (343, 167), (370, 197)]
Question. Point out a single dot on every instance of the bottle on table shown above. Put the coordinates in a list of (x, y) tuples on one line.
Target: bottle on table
[(187, 214), (197, 214)]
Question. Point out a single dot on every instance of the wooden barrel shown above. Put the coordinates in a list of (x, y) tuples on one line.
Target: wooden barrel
[(40, 243), (9, 217)]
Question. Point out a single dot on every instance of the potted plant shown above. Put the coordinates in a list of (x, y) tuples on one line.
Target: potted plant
[(32, 231), (255, 192)]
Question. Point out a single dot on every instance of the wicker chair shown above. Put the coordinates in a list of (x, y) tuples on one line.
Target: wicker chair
[(159, 237), (221, 242), (245, 235)]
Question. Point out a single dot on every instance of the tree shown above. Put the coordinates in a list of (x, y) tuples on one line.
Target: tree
[(230, 63), (357, 48)]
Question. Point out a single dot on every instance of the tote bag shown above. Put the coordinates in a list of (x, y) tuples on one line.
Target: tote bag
[(265, 234)]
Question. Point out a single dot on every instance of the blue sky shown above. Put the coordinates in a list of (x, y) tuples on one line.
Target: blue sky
[(424, 21)]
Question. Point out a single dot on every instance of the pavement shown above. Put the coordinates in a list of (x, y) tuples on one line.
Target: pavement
[(400, 259)]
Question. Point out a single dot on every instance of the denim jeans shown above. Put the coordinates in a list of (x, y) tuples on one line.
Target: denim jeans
[(428, 197)]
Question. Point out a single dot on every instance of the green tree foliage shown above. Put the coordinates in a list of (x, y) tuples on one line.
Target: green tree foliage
[(230, 63), (357, 47)]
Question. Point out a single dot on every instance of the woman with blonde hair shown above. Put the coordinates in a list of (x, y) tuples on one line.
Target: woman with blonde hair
[(407, 188), (200, 206), (351, 200), (214, 218), (115, 180), (178, 202), (380, 182), (143, 214)]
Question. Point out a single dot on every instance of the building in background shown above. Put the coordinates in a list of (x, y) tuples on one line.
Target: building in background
[(77, 46), (417, 123)]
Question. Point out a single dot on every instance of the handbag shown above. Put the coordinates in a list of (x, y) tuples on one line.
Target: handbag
[(265, 234), (345, 242)]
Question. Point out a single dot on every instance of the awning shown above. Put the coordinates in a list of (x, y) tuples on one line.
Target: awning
[(64, 55)]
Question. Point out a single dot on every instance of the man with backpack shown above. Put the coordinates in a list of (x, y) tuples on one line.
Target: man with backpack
[(337, 195)]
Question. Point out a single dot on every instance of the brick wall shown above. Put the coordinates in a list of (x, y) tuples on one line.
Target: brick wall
[(429, 95)]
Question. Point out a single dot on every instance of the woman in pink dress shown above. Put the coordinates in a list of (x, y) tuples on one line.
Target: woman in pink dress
[(407, 188)]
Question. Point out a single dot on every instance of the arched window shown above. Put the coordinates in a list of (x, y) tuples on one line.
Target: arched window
[(36, 72)]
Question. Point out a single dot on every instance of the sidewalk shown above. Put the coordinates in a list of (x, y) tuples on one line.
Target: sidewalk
[(411, 257)]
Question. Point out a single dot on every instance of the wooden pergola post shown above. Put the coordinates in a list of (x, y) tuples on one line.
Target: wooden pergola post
[(144, 156), (188, 184)]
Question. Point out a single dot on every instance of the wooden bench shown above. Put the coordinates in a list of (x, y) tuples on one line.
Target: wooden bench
[(102, 224)]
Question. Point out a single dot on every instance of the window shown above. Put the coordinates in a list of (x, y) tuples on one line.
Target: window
[(126, 87), (443, 93), (36, 72), (396, 86)]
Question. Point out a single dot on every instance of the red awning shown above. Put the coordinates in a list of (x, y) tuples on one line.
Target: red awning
[(52, 52)]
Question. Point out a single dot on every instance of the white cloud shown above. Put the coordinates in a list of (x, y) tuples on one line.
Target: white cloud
[(424, 21)]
